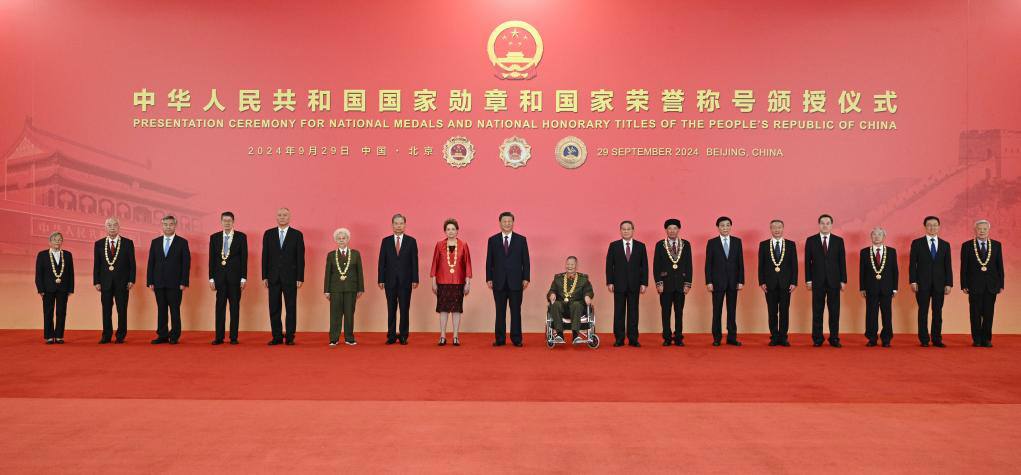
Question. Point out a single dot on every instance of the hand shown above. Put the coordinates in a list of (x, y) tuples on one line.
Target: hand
[(130, 285), (659, 287), (327, 295), (183, 287), (764, 289), (792, 287), (467, 287), (41, 294), (298, 284), (842, 286), (489, 284), (524, 284), (100, 287), (212, 286), (358, 295), (709, 287), (964, 290), (380, 286), (862, 293), (610, 287), (642, 288), (946, 290), (740, 286), (914, 287), (894, 293), (588, 300), (808, 285), (434, 288), (687, 288), (552, 298), (152, 287), (414, 285), (243, 284), (265, 283)]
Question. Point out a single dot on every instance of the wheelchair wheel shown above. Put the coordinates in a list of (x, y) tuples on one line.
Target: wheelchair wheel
[(594, 342), (549, 343)]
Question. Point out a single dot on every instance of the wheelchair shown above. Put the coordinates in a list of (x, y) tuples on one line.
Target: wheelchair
[(587, 329)]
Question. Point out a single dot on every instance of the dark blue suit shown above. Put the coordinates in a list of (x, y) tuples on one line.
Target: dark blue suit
[(507, 270), (166, 273)]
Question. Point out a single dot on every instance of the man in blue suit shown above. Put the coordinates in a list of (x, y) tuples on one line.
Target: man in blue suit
[(507, 274), (167, 276)]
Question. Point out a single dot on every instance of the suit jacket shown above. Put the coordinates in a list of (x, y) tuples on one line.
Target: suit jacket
[(355, 281), (581, 290), (722, 271), (884, 286), (788, 274), (123, 267), (511, 267), (825, 268), (284, 265), (928, 273), (169, 271), (627, 275), (973, 279), (398, 270), (45, 281), (663, 268), (237, 262), (440, 268)]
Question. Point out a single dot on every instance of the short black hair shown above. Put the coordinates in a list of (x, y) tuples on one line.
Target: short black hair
[(506, 214), (722, 219), (571, 257), (627, 221), (227, 214), (927, 218), (821, 216)]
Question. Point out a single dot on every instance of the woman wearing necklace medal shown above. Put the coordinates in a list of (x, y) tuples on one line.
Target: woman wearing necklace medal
[(878, 274), (451, 273), (982, 280), (54, 280), (343, 286)]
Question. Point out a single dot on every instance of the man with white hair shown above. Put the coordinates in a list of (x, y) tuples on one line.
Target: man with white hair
[(343, 285), (113, 275), (878, 274), (982, 280), (283, 271)]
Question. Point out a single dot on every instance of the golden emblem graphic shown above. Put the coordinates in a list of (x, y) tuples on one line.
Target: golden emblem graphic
[(458, 151), (515, 48), (515, 152), (571, 152)]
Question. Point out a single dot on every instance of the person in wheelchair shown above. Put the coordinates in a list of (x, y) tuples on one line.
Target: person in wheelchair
[(570, 294)]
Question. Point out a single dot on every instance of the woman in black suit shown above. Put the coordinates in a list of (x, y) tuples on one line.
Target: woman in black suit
[(54, 280)]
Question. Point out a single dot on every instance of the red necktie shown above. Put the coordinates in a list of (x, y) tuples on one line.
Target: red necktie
[(627, 251), (506, 244), (398, 244), (112, 248), (877, 257), (825, 244), (674, 248)]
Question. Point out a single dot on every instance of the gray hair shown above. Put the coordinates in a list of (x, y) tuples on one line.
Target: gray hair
[(340, 231), (983, 221), (878, 229), (398, 215), (112, 219), (56, 234)]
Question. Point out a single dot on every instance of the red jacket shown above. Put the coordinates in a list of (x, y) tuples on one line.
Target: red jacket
[(440, 268)]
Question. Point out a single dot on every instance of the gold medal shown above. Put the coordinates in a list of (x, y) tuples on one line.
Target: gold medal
[(347, 265), (879, 276), (777, 269), (223, 263), (670, 255), (451, 271), (343, 277), (984, 268), (675, 266), (110, 267), (58, 280), (567, 300)]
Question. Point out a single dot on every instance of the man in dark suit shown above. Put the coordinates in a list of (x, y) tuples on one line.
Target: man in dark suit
[(671, 269), (825, 276), (778, 276), (283, 272), (167, 275), (931, 277), (508, 271), (398, 276), (627, 277), (228, 273), (724, 277), (877, 271), (982, 280), (54, 281), (113, 275)]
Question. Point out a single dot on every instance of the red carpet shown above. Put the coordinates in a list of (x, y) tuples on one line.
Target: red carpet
[(421, 408)]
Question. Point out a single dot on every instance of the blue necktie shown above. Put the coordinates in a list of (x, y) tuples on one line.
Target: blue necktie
[(932, 247), (226, 243), (166, 246), (776, 250), (281, 239), (726, 248)]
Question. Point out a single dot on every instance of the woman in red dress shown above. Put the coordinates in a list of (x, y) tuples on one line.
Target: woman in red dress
[(451, 274)]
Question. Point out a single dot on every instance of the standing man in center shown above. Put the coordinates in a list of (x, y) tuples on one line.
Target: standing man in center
[(283, 271), (167, 276), (931, 277), (724, 277), (228, 272), (671, 269), (825, 276), (507, 274), (398, 276), (627, 277), (778, 276), (113, 275)]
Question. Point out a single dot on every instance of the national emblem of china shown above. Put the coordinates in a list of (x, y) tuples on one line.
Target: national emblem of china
[(571, 152), (458, 151), (515, 49), (515, 152)]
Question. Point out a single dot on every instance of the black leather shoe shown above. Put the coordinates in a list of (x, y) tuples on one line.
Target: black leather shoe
[(816, 344), (667, 343), (159, 341), (772, 343), (275, 342), (233, 342), (518, 344), (886, 344), (498, 343), (785, 343), (836, 344), (390, 341), (733, 343), (172, 341), (60, 341), (925, 344), (103, 341), (635, 344), (618, 343), (289, 342), (976, 344), (716, 342), (50, 341), (939, 344), (678, 343), (403, 341), (119, 341), (984, 345), (870, 344), (217, 342)]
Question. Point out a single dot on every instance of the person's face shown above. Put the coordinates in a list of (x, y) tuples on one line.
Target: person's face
[(283, 217), (776, 229), (56, 241), (507, 224), (932, 227), (228, 224), (671, 231), (342, 240), (398, 225), (724, 228), (825, 225), (571, 266), (113, 228), (451, 231), (169, 226), (878, 238), (627, 231), (982, 231)]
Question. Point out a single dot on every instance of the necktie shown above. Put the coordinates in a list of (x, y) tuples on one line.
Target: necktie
[(398, 244), (627, 251), (673, 248), (825, 244), (166, 246), (776, 249), (506, 244), (726, 248), (282, 238), (878, 262), (932, 247), (226, 243), (113, 248), (982, 247)]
